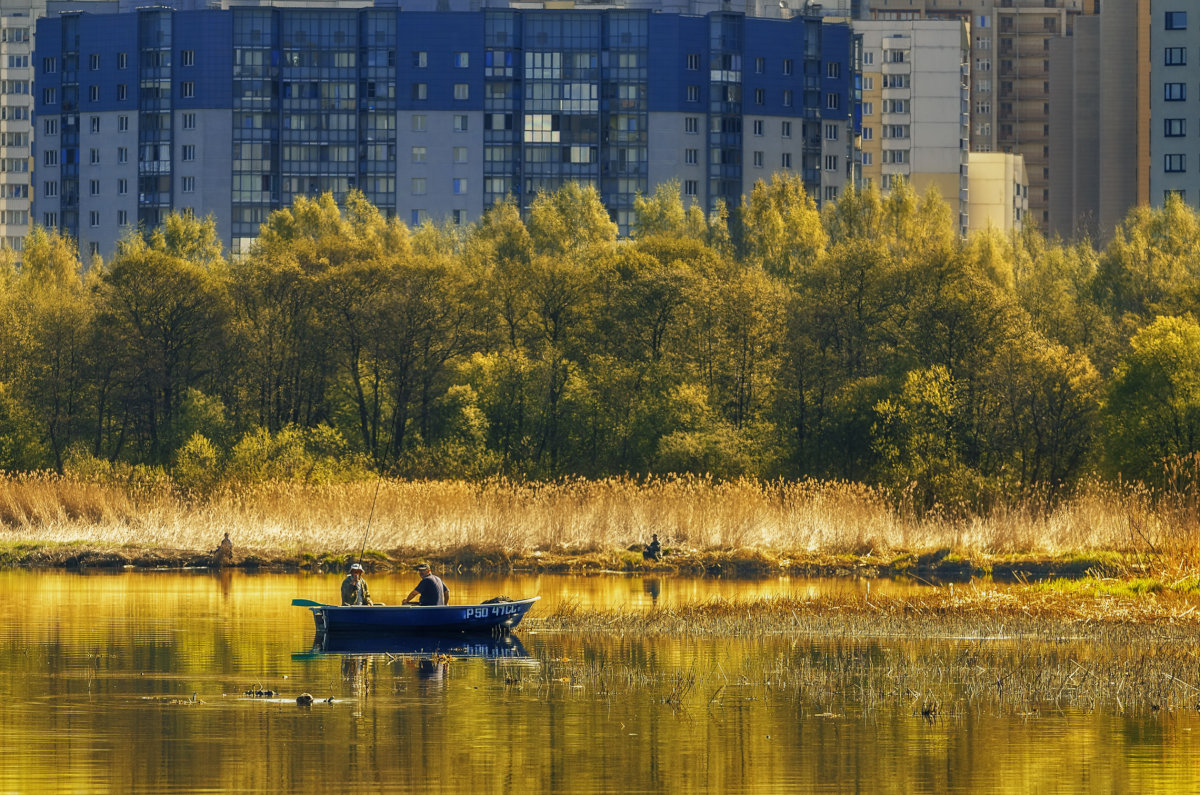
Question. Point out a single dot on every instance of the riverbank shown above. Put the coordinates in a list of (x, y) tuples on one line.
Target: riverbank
[(937, 566)]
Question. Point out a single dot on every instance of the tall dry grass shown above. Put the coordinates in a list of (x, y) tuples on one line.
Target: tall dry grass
[(789, 517)]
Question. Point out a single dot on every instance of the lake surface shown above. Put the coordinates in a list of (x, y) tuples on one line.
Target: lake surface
[(136, 682)]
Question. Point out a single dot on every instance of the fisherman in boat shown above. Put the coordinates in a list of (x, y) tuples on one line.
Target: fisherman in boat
[(430, 590), (354, 587)]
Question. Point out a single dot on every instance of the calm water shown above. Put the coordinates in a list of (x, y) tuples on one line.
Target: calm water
[(136, 682)]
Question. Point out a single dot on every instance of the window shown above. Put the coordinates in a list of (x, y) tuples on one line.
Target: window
[(122, 60), (93, 93), (787, 66), (760, 65), (187, 89), (785, 160), (94, 218), (1174, 92), (418, 122), (50, 127), (50, 189), (420, 59), (1174, 128), (122, 154), (1175, 163), (868, 108), (1175, 56), (419, 217), (418, 186), (420, 90), (49, 96), (831, 132), (691, 156), (189, 121), (693, 61), (94, 123), (460, 122), (758, 159), (691, 125), (787, 97), (189, 152), (418, 154), (49, 66), (831, 162), (833, 69), (868, 83), (93, 156), (785, 129), (94, 187), (94, 61), (122, 218), (693, 93), (758, 126), (122, 91), (460, 154), (462, 91), (460, 186), (831, 192), (868, 158), (1182, 194), (760, 96), (690, 187), (868, 133), (458, 216), (833, 101), (462, 60), (187, 58), (122, 187), (187, 184), (1176, 20), (122, 123), (50, 219)]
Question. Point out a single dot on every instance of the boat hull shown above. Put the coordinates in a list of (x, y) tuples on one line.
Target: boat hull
[(498, 616)]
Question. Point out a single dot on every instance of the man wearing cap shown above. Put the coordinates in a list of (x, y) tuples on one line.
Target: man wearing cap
[(431, 589), (354, 587)]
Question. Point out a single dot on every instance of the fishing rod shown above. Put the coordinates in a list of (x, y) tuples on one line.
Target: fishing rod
[(371, 516)]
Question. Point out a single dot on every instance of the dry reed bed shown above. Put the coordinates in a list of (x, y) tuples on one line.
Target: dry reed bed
[(800, 518), (954, 650)]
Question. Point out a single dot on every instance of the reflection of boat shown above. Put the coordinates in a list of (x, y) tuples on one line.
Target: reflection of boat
[(425, 645), (410, 618)]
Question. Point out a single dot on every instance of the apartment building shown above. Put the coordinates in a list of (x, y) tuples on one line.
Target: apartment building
[(433, 115), (1100, 120), (999, 192), (1174, 92), (1010, 73), (915, 103)]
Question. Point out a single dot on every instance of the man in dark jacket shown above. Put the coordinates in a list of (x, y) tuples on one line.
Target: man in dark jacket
[(431, 590)]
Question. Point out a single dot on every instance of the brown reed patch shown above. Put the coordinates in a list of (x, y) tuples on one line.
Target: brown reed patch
[(739, 527)]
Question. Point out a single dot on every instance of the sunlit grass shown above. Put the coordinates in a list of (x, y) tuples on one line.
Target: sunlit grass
[(758, 525)]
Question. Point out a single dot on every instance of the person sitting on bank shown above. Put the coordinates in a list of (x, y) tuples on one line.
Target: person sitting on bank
[(430, 590), (223, 554), (354, 587), (653, 549)]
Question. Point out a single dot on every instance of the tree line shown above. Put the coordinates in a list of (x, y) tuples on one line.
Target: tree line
[(864, 341)]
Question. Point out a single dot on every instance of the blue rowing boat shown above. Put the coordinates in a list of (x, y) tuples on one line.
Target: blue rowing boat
[(489, 617)]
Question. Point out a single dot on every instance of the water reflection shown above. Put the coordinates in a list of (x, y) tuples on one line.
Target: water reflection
[(98, 672), (455, 645)]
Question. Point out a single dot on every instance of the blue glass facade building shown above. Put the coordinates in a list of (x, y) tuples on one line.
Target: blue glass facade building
[(431, 114)]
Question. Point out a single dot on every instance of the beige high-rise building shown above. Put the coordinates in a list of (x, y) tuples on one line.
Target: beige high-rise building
[(1010, 74), (914, 107)]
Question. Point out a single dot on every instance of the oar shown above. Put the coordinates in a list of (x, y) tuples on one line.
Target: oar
[(307, 603)]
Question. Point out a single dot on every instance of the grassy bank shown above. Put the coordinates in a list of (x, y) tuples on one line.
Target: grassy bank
[(733, 528)]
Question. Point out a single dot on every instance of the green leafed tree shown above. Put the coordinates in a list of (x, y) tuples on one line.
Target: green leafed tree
[(1153, 407)]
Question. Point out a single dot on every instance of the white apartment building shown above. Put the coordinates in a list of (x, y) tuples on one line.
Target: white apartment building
[(916, 107)]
